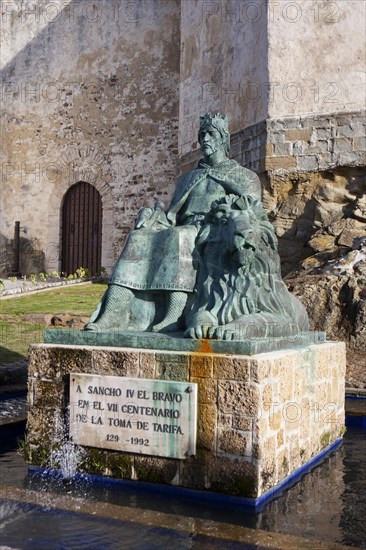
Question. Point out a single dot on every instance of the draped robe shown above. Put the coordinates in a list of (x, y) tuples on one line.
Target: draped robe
[(159, 259)]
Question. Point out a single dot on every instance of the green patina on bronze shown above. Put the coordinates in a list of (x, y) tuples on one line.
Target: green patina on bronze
[(208, 266), (167, 342)]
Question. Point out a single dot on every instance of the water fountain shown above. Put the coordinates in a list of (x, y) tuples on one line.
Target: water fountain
[(168, 428), (325, 505)]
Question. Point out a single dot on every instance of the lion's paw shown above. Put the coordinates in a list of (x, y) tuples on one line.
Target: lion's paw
[(211, 332), (200, 331)]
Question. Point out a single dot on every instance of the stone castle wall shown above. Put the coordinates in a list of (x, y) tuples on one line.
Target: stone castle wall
[(223, 53), (256, 61), (117, 106), (89, 93)]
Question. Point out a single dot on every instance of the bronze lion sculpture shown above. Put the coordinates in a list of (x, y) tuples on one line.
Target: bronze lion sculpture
[(239, 292)]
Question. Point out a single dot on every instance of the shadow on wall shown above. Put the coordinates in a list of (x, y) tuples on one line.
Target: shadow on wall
[(31, 257), (6, 255)]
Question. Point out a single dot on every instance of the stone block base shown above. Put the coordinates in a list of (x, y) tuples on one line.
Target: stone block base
[(260, 417)]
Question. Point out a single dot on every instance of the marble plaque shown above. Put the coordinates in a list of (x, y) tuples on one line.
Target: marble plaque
[(152, 417)]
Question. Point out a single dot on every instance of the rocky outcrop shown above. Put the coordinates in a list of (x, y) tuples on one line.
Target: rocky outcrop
[(316, 213), (320, 221), (333, 291)]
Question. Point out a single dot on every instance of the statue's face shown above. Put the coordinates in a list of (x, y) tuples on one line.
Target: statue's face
[(210, 141)]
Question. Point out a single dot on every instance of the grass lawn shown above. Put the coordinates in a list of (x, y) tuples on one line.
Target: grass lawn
[(16, 334)]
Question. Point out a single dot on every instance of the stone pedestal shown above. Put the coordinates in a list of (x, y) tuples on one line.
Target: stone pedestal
[(261, 418)]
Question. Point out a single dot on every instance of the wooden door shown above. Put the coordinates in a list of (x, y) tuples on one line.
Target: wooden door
[(81, 229)]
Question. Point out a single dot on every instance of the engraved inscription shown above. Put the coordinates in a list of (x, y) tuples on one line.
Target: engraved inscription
[(154, 417)]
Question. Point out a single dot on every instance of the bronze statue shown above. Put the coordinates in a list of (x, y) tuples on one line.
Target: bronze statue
[(207, 266)]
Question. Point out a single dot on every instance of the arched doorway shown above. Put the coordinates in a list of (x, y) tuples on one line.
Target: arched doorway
[(81, 229)]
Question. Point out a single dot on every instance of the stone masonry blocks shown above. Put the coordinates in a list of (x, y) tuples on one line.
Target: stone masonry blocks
[(298, 144), (259, 417)]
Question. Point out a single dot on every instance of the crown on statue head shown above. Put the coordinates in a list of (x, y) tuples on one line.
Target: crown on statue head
[(221, 122)]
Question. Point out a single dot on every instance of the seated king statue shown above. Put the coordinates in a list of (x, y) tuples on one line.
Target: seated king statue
[(208, 266)]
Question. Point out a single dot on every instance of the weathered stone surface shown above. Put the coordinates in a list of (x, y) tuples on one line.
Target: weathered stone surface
[(233, 476), (172, 366), (206, 426), (147, 365), (117, 465), (353, 229), (193, 475), (155, 470), (231, 368), (285, 163), (49, 393), (341, 145), (310, 210), (286, 380), (283, 149), (207, 390), (270, 455), (359, 143), (238, 396), (276, 421), (357, 306), (334, 295), (232, 442), (347, 130), (242, 422), (125, 363), (45, 432), (359, 212), (224, 420), (267, 396), (350, 158), (67, 320), (55, 361), (250, 433), (298, 134), (39, 318), (201, 365), (260, 370), (319, 293), (308, 163), (356, 367), (39, 364), (66, 358)]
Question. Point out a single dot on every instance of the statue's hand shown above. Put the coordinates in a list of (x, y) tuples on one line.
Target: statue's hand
[(152, 218), (143, 217), (196, 220)]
